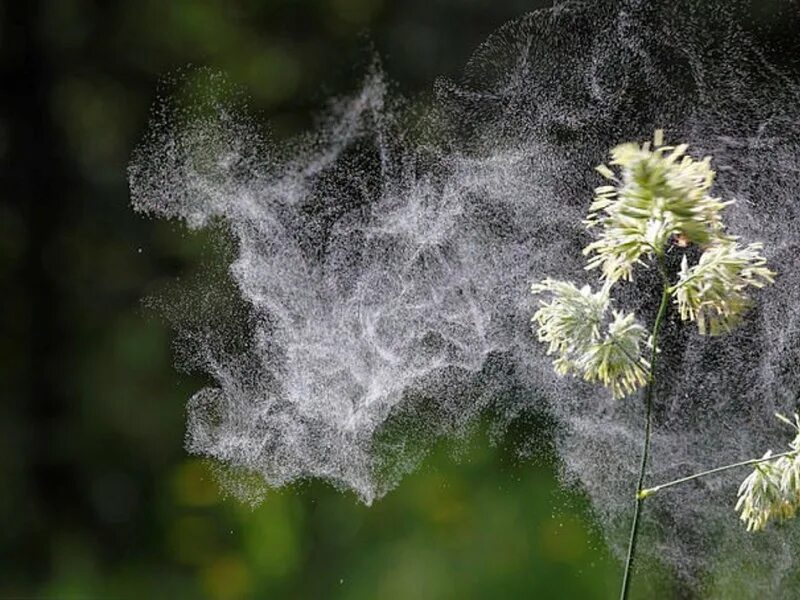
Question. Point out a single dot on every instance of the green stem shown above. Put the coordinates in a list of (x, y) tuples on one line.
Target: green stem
[(650, 491), (648, 401)]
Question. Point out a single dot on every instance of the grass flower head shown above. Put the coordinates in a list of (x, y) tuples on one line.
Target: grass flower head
[(760, 497), (714, 292), (573, 322), (658, 192), (772, 490)]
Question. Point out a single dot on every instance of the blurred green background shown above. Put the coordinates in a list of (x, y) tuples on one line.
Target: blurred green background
[(98, 498)]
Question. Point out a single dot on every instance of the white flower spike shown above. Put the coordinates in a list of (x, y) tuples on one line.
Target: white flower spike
[(714, 292), (659, 193), (772, 490), (760, 497), (573, 324)]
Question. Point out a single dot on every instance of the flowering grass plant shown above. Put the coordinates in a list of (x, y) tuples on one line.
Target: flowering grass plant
[(659, 196)]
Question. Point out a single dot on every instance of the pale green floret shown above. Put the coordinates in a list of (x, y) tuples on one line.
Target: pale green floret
[(760, 497), (790, 465), (659, 192), (790, 478), (714, 292), (772, 490), (616, 360), (571, 323)]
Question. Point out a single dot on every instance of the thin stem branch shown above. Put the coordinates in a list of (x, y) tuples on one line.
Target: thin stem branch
[(626, 578), (754, 461)]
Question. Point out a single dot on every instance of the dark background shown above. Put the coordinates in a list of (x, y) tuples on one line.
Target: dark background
[(97, 496)]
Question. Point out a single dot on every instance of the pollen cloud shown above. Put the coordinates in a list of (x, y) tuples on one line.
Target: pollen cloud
[(388, 257)]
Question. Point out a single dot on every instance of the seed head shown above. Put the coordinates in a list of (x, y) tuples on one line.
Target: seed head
[(761, 498), (714, 292), (658, 193), (772, 490), (573, 324)]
